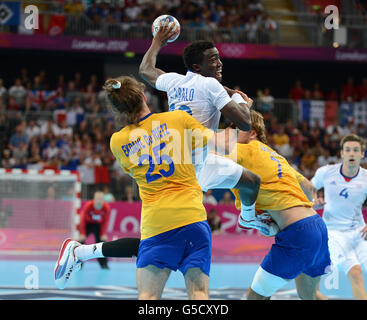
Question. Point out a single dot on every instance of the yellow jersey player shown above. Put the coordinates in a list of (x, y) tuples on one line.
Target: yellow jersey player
[(156, 150), (301, 248)]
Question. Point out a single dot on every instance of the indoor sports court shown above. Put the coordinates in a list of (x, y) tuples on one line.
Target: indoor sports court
[(302, 62)]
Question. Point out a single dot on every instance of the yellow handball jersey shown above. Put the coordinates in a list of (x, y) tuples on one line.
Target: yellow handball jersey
[(280, 183), (157, 153)]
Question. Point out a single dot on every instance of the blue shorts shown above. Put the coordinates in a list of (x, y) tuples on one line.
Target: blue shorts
[(302, 247), (182, 248)]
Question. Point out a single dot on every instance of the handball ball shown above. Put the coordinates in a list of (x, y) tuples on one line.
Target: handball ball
[(157, 23)]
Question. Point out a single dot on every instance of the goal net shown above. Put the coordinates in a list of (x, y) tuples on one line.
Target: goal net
[(38, 210)]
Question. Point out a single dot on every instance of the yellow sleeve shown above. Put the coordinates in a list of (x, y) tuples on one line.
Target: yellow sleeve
[(117, 152), (299, 176)]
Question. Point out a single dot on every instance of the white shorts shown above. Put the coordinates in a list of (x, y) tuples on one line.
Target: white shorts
[(347, 248), (218, 172)]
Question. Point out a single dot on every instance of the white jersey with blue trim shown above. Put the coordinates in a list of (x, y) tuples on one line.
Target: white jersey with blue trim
[(343, 196), (202, 97)]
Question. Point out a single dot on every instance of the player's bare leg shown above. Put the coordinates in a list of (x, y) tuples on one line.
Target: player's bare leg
[(252, 295), (319, 295), (356, 279), (197, 284), (151, 281), (306, 286)]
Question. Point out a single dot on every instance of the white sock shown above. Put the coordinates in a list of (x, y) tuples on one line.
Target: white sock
[(248, 213), (89, 251)]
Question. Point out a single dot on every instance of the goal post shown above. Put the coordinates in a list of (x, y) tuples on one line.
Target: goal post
[(38, 210)]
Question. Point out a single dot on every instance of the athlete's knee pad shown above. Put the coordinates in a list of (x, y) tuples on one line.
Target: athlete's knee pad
[(266, 284)]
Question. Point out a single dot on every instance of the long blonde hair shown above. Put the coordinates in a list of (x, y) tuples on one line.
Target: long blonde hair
[(258, 125), (125, 96)]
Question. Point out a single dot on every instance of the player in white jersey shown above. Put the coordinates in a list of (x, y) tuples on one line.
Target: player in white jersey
[(345, 191), (200, 93)]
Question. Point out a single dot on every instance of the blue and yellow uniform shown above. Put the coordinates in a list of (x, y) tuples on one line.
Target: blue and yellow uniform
[(157, 154), (301, 247), (280, 188)]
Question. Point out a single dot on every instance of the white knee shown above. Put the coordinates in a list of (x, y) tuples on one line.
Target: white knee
[(266, 284)]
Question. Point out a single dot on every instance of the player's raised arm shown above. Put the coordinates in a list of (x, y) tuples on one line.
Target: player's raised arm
[(147, 68)]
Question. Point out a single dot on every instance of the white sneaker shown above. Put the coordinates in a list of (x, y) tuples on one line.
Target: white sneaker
[(266, 226), (67, 263)]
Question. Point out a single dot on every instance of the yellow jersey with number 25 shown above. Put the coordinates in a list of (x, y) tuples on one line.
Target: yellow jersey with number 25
[(157, 153)]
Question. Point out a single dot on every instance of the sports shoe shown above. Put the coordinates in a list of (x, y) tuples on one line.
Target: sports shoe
[(67, 263), (266, 226)]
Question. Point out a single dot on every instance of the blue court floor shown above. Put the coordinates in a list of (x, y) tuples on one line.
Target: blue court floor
[(34, 280)]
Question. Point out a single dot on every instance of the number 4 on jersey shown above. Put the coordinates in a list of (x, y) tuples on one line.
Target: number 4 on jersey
[(344, 193)]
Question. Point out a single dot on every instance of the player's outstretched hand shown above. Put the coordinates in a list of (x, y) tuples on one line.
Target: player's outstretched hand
[(246, 98), (165, 31)]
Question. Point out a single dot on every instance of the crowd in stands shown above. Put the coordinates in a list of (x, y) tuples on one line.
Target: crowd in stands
[(68, 126), (245, 20)]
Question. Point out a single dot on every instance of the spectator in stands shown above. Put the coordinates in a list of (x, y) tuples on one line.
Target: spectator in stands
[(349, 91), (37, 85), (32, 130), (89, 97), (18, 137), (34, 159), (349, 128), (362, 130), (7, 160), (108, 196), (24, 77), (51, 150), (266, 103), (325, 158), (72, 93), (129, 194), (18, 92), (214, 221), (297, 92), (316, 93), (280, 138), (75, 113), (61, 85), (12, 104), (334, 148), (227, 198), (334, 130), (64, 129), (50, 126), (74, 7), (333, 95), (251, 28), (93, 160), (209, 198), (78, 83), (20, 152), (305, 130), (3, 91), (308, 159), (362, 90), (269, 24), (256, 7)]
